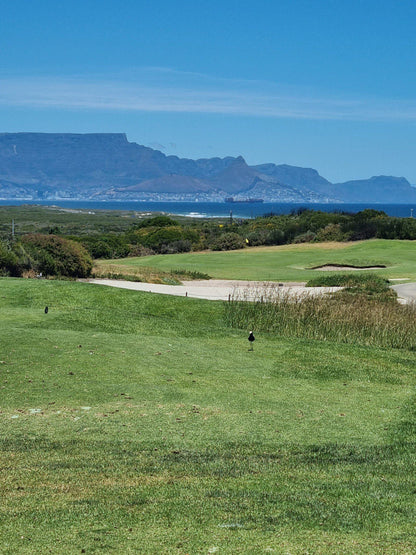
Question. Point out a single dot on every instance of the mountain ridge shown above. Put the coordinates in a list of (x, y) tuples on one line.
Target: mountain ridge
[(105, 166)]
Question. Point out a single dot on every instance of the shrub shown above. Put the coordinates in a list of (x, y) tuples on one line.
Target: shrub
[(140, 250), (257, 237), (157, 221), (176, 246), (166, 239), (106, 246), (275, 237), (331, 232), (307, 237), (53, 255), (9, 262), (228, 242)]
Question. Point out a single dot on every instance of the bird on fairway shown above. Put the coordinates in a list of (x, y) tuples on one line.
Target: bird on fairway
[(251, 338)]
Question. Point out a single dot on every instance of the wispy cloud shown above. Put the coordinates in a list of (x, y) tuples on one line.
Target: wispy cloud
[(163, 90)]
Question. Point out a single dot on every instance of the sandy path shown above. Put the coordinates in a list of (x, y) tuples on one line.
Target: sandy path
[(406, 292), (214, 289)]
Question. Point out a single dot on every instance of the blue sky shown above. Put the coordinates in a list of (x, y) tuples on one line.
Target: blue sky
[(327, 84)]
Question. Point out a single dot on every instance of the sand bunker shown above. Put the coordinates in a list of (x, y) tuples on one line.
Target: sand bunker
[(217, 289), (339, 267)]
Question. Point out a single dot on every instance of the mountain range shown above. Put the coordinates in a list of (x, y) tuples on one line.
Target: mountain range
[(106, 166)]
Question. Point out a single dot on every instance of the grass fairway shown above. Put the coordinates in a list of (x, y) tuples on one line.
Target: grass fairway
[(283, 263), (138, 423)]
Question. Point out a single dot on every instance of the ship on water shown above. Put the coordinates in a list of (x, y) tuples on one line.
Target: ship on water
[(251, 200)]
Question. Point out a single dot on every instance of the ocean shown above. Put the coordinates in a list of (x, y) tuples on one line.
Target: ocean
[(220, 209)]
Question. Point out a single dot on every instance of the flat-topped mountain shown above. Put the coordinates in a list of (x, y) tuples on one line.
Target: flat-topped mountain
[(106, 166)]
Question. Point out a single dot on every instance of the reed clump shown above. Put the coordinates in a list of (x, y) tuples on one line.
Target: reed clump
[(363, 316)]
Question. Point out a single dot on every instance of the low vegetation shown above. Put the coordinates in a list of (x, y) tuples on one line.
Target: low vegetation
[(364, 312), (144, 274), (120, 234), (164, 235), (368, 281), (47, 255)]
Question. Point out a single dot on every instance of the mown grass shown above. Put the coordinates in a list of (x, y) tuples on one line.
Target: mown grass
[(139, 423), (289, 262)]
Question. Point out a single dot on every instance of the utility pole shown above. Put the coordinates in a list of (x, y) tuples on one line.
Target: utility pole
[(13, 230), (411, 212)]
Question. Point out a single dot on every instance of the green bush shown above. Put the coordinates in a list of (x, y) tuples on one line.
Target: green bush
[(228, 242), (176, 246), (53, 255), (157, 221), (9, 262), (307, 237), (106, 246), (331, 232)]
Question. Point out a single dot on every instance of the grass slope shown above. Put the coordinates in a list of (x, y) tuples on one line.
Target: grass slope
[(287, 262), (137, 423)]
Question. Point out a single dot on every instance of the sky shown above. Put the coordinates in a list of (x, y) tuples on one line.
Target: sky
[(328, 84)]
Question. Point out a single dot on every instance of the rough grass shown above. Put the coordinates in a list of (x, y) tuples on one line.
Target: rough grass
[(366, 281), (137, 423), (144, 274), (289, 262), (365, 312)]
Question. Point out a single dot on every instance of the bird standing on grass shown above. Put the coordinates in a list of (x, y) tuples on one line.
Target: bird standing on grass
[(251, 338)]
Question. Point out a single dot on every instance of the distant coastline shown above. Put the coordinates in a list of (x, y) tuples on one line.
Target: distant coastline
[(220, 209), (249, 200)]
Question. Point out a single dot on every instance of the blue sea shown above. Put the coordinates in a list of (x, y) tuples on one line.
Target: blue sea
[(220, 209)]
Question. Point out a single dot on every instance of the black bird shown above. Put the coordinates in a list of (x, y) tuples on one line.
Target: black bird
[(251, 338)]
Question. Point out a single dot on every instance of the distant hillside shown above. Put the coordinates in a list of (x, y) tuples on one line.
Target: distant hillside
[(105, 166), (380, 188)]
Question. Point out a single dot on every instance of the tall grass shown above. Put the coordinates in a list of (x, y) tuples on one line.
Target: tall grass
[(144, 274), (348, 316), (367, 281)]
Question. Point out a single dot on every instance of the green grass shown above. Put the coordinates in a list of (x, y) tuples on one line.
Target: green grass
[(366, 281), (139, 423), (288, 262)]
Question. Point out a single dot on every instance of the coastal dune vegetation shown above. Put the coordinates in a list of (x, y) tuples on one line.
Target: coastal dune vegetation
[(114, 236)]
